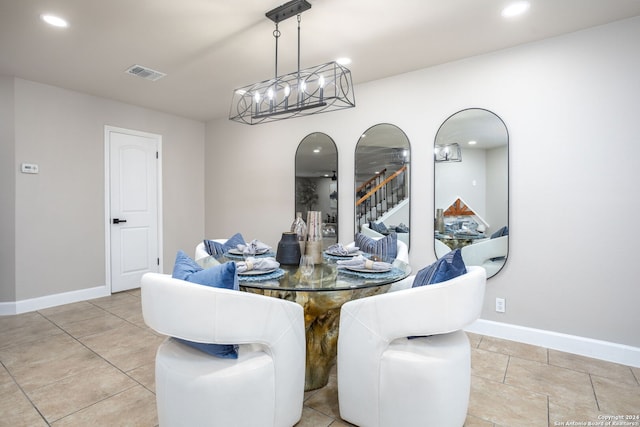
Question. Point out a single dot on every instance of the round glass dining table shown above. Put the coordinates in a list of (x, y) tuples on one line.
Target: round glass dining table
[(321, 294), (458, 241)]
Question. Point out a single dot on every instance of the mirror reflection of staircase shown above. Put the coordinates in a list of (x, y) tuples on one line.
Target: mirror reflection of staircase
[(380, 194)]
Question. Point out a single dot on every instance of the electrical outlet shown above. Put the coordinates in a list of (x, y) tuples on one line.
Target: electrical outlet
[(500, 305)]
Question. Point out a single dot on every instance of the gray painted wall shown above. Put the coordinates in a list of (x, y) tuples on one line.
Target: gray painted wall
[(59, 214), (7, 191)]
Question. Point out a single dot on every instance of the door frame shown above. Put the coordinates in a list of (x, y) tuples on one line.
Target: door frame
[(107, 195)]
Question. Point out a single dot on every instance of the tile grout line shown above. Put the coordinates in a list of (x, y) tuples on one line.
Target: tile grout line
[(24, 393), (504, 377), (146, 329), (60, 327), (637, 378), (97, 354), (137, 326), (593, 390), (93, 404)]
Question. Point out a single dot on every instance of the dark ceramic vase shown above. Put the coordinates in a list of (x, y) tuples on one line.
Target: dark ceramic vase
[(288, 249)]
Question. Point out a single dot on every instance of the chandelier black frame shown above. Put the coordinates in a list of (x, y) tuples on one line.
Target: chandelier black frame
[(323, 88)]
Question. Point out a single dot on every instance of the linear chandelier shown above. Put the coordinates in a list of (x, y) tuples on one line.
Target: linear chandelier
[(320, 89)]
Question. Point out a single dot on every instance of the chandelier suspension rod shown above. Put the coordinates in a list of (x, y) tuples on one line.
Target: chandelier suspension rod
[(276, 35), (299, 19)]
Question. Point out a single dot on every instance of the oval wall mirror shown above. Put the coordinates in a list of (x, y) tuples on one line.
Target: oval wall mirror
[(382, 186), (471, 179), (316, 182)]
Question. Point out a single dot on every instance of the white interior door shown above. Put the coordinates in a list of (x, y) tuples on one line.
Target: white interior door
[(133, 206)]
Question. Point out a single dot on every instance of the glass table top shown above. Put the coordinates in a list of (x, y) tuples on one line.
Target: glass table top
[(325, 277)]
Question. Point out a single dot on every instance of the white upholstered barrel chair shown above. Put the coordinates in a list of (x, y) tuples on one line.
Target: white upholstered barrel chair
[(387, 379), (490, 254), (403, 252), (441, 249), (367, 231), (264, 386)]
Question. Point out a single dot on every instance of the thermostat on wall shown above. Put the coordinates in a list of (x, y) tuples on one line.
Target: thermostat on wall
[(29, 168)]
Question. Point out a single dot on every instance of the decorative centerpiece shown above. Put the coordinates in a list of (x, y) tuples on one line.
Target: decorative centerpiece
[(313, 247), (288, 252), (439, 224), (300, 228)]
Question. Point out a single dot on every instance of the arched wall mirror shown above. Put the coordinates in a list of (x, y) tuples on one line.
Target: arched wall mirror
[(316, 187), (382, 187), (471, 191)]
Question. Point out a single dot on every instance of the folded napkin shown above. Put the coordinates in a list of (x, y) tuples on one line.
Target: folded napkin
[(339, 249), (364, 263), (257, 264), (402, 228), (464, 233), (256, 247)]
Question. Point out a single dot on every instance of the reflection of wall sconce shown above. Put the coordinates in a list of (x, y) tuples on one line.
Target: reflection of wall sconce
[(448, 153), (334, 177)]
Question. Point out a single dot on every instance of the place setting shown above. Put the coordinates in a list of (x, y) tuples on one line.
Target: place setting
[(255, 248), (362, 266), (338, 252), (258, 269)]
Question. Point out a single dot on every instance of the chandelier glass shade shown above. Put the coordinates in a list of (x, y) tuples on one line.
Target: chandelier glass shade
[(313, 90)]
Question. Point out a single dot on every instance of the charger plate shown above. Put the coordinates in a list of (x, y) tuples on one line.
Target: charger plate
[(276, 274), (393, 273)]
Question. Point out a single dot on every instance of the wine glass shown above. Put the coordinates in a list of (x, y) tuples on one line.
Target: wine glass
[(306, 266)]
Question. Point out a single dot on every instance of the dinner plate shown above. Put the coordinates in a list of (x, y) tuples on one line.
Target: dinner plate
[(368, 270), (256, 272), (239, 252), (342, 255)]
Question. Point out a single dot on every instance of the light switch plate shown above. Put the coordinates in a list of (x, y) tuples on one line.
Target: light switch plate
[(29, 168)]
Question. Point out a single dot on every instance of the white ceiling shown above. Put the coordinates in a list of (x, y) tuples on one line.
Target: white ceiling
[(209, 47)]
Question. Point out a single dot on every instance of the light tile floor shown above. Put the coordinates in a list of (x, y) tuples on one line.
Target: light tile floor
[(91, 364)]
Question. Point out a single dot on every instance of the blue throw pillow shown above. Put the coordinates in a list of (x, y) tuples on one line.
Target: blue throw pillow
[(504, 231), (379, 227), (225, 351), (219, 276), (402, 228), (446, 268), (216, 248), (386, 247)]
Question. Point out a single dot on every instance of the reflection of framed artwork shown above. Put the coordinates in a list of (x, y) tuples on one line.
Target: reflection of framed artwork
[(333, 195)]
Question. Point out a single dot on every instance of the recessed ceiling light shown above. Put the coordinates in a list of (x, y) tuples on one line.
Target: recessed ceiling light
[(316, 150), (343, 61), (515, 9), (56, 21), (473, 142)]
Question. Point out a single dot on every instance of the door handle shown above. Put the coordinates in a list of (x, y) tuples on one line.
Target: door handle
[(118, 220)]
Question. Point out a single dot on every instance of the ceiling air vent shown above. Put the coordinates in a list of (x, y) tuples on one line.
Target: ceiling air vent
[(145, 72)]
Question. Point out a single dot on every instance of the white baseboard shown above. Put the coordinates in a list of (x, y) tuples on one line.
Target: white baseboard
[(604, 350), (33, 304)]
